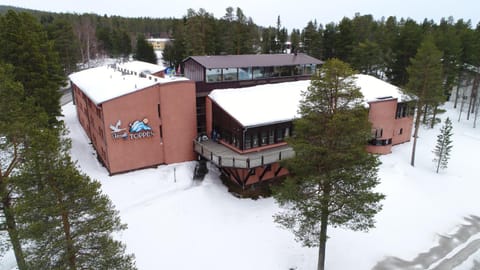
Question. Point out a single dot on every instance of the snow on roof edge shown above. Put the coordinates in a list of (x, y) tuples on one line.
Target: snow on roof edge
[(275, 103), (108, 82)]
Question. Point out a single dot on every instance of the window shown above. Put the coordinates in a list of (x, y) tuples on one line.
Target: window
[(380, 142), (271, 136), (377, 133), (287, 132), (245, 73), (214, 75), (161, 134), (309, 69), (258, 72), (230, 74), (247, 142), (400, 132), (255, 140), (279, 134), (264, 138), (298, 70)]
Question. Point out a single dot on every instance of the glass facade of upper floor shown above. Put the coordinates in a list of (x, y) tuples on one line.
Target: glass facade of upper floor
[(257, 73)]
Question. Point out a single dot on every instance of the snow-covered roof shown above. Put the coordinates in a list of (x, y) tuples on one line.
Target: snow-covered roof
[(267, 103), (140, 66), (374, 89), (273, 103), (105, 83)]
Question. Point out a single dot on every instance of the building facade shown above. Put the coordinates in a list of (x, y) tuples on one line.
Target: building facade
[(248, 126), (238, 71), (133, 119)]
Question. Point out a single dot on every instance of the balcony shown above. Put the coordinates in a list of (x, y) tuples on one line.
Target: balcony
[(223, 156)]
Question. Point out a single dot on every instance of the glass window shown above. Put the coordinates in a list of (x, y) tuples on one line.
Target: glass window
[(277, 71), (309, 69), (247, 142), (284, 71), (258, 72), (269, 72), (279, 134), (214, 75), (264, 138), (298, 70), (255, 140), (271, 136), (230, 74), (245, 73)]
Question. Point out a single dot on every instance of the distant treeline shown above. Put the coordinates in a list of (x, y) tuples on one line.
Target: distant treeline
[(380, 47)]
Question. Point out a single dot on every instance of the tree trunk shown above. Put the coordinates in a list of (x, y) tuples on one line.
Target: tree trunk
[(425, 112), (415, 133), (440, 155), (476, 112), (11, 227), (458, 89), (434, 116), (473, 95), (462, 105), (68, 238), (71, 255), (323, 240)]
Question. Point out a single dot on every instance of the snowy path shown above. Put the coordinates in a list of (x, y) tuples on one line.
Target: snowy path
[(451, 251)]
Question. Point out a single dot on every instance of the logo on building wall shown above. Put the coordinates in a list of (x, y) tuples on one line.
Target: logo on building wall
[(137, 129)]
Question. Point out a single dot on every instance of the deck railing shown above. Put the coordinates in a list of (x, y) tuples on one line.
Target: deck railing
[(247, 161)]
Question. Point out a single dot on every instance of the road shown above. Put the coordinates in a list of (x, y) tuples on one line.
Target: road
[(66, 96)]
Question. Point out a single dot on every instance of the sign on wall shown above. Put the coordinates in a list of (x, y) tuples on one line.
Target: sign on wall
[(137, 129)]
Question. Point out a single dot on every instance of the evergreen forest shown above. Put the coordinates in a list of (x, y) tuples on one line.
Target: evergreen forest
[(381, 47)]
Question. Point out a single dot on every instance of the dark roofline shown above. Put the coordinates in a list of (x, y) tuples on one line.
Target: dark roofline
[(254, 60)]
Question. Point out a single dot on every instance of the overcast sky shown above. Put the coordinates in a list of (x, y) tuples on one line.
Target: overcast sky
[(293, 14)]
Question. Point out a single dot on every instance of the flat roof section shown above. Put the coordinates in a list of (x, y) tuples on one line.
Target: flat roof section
[(275, 103), (140, 66), (105, 83)]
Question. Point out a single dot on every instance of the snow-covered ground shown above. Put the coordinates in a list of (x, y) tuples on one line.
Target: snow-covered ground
[(177, 223)]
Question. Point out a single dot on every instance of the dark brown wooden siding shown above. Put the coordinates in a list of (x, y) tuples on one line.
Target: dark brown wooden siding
[(226, 127), (194, 71), (230, 131)]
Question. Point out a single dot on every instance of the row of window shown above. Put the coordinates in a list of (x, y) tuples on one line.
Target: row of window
[(404, 110), (266, 137), (378, 132), (253, 73), (380, 142)]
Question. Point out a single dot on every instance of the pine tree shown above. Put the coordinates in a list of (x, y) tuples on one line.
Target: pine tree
[(144, 51), (26, 47), (64, 220), (332, 176), (444, 145), (425, 83), (15, 127), (60, 30)]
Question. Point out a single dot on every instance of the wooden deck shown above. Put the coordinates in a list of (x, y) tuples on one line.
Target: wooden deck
[(223, 156)]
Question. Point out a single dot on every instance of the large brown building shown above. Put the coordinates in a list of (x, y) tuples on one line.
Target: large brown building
[(248, 126), (135, 119), (237, 71)]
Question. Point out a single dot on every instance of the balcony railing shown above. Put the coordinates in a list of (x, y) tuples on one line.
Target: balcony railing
[(223, 156)]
